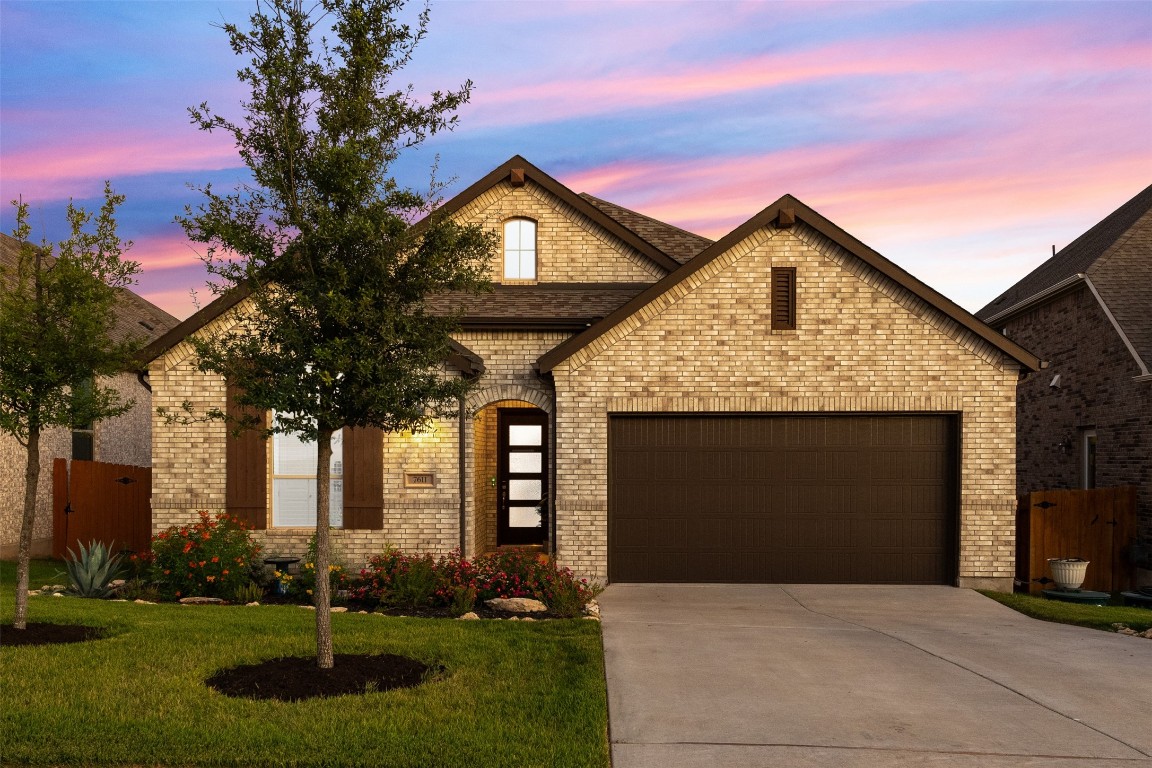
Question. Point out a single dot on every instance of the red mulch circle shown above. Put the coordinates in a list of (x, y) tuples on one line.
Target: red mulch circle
[(297, 678), (39, 633)]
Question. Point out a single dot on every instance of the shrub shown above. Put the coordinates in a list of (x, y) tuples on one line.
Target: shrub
[(91, 571), (248, 593), (211, 558), (303, 586), (396, 579)]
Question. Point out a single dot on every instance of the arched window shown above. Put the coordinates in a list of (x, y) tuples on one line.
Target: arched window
[(520, 249)]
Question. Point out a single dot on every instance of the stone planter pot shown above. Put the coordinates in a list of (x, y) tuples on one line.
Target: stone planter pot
[(1068, 573)]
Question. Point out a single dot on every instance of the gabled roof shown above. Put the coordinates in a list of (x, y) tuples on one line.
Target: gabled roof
[(517, 163), (459, 356), (783, 213), (1114, 259), (678, 243), (135, 316), (556, 306)]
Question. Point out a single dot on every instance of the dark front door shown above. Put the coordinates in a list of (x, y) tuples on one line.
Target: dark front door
[(522, 476)]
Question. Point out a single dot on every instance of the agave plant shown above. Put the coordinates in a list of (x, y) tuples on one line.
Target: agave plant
[(91, 572)]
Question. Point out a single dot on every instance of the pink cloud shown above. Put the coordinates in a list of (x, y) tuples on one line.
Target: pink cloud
[(1021, 54), (78, 168)]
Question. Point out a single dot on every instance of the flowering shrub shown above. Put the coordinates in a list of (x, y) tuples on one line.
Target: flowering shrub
[(211, 558), (394, 578), (303, 586)]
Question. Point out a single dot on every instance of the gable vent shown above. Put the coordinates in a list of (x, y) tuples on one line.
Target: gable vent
[(783, 298)]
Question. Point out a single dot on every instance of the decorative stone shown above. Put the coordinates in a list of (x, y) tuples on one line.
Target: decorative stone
[(592, 608), (251, 604), (470, 616), (308, 607), (57, 594), (341, 609), (201, 601), (116, 583), (516, 605), (118, 600), (1127, 631), (527, 618), (513, 618), (364, 612), (143, 602), (1147, 633), (592, 618)]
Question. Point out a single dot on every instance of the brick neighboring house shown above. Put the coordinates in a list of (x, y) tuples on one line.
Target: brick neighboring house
[(1086, 421), (126, 439), (781, 405)]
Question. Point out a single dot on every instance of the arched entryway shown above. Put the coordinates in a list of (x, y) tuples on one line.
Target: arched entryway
[(512, 459)]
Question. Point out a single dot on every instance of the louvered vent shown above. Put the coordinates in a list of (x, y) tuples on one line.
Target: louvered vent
[(783, 298)]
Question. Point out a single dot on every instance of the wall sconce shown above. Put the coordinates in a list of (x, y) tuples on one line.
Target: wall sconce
[(1055, 383)]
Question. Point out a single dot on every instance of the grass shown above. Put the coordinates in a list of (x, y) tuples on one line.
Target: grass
[(1093, 616), (512, 693), (40, 572)]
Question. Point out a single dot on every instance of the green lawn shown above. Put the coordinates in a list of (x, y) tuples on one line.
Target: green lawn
[(40, 572), (1094, 616), (512, 693)]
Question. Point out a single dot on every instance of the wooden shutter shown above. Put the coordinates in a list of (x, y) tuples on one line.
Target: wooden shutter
[(247, 469), (363, 478), (783, 298)]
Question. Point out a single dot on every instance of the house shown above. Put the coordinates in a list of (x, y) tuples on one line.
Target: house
[(125, 439), (782, 405), (1087, 421)]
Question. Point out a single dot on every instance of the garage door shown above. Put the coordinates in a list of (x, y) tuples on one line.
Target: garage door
[(783, 499)]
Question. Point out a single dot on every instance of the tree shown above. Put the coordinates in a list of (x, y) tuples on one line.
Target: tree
[(56, 320), (335, 334)]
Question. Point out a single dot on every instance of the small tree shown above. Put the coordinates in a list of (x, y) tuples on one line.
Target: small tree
[(56, 319), (336, 334)]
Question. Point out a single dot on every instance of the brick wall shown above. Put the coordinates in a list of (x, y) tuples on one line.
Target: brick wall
[(570, 247), (862, 344), (1096, 391), (125, 439)]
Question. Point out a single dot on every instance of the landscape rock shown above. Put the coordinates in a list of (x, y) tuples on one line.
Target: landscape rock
[(197, 600), (1127, 631), (116, 583), (308, 607), (251, 604), (1148, 634), (470, 616), (592, 608), (592, 618), (143, 602), (57, 594), (516, 605), (341, 609)]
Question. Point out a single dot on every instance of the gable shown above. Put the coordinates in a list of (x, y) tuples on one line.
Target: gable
[(854, 327), (570, 247), (786, 213)]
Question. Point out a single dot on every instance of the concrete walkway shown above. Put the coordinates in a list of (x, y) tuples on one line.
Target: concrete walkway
[(814, 675)]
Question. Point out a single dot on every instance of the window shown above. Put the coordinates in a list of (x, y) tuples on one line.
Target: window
[(1088, 458), (83, 435), (294, 480), (520, 249), (783, 298)]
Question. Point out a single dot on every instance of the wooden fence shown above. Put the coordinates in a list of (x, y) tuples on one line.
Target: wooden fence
[(1097, 525), (93, 500)]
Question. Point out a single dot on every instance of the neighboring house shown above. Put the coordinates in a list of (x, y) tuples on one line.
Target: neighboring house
[(783, 405), (126, 439), (1086, 421)]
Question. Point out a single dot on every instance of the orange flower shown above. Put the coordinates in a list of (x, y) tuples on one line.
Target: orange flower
[(215, 559), (225, 571), (211, 578)]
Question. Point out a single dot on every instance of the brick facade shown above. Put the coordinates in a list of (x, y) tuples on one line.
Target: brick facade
[(126, 439), (863, 343), (1096, 391)]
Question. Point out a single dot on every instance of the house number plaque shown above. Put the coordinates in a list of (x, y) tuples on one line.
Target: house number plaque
[(419, 480)]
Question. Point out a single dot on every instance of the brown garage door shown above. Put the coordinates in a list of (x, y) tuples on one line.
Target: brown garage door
[(783, 499)]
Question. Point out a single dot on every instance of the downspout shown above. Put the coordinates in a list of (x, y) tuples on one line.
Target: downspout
[(462, 435)]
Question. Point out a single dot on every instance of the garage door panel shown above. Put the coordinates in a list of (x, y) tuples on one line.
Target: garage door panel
[(824, 499)]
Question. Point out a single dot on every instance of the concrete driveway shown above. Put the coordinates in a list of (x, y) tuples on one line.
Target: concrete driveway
[(815, 675)]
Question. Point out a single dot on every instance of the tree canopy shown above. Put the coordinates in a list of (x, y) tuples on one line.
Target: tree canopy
[(322, 241)]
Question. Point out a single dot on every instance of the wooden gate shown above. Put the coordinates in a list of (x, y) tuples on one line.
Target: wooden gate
[(1097, 525), (96, 501)]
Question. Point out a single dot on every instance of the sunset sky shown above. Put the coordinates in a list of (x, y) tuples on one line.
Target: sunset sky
[(962, 140)]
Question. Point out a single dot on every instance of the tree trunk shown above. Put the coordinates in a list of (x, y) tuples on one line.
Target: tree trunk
[(27, 525), (323, 595)]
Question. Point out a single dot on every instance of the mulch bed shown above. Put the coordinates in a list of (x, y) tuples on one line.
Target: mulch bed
[(40, 633), (298, 678)]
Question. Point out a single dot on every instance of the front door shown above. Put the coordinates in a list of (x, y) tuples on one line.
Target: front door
[(522, 476)]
